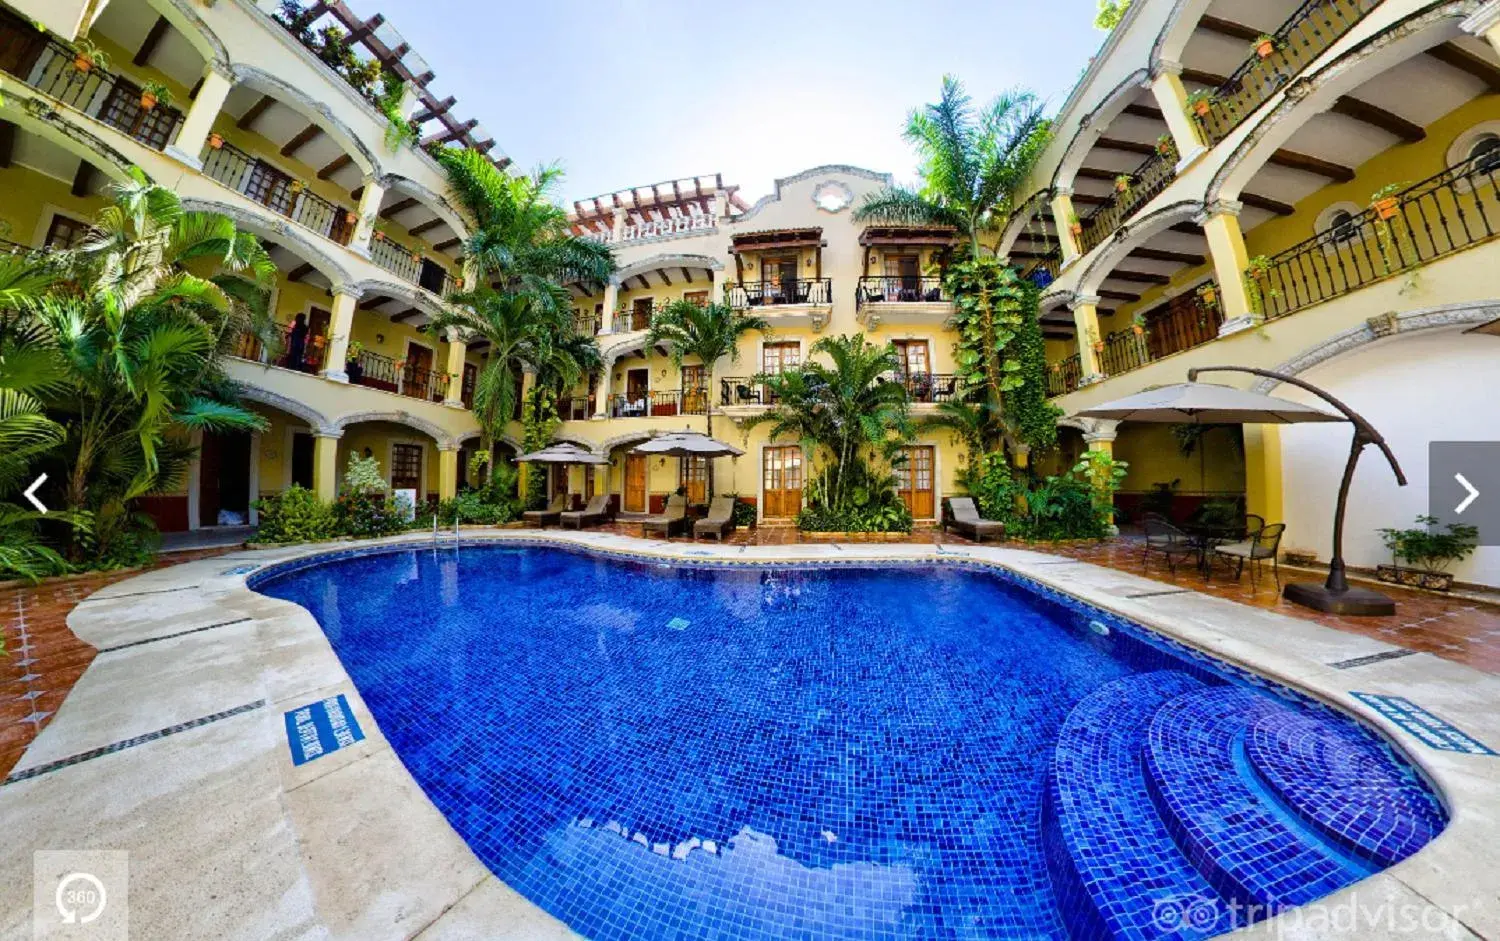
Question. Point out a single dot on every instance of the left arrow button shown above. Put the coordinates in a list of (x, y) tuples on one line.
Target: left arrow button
[(30, 494)]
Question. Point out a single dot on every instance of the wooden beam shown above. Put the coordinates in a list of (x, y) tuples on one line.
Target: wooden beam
[(400, 206), (686, 275), (1200, 77), (378, 300), (1456, 56), (1143, 111), (1268, 204), (303, 138), (1128, 146), (1088, 199), (1187, 228), (1310, 164), (1138, 277), (1090, 173), (1233, 30), (153, 39), (451, 243), (254, 111), (1392, 124), (440, 107), (1118, 295), (335, 165), (7, 144), (418, 230), (83, 180), (300, 272), (666, 278), (1157, 254), (406, 314)]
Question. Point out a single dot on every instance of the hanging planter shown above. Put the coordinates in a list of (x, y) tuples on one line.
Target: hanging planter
[(216, 141), (1265, 45), (1200, 103), (297, 186), (1386, 208), (351, 217), (1165, 145), (154, 93), (1208, 294), (1138, 325), (1122, 184)]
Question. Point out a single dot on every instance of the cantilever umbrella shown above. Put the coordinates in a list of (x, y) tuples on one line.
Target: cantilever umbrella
[(1196, 402)]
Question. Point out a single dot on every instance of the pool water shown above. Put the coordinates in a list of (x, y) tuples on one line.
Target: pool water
[(661, 751)]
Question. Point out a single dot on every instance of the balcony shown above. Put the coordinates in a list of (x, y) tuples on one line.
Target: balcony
[(655, 230), (58, 71), (929, 388), (658, 404), (803, 301), (402, 377), (1447, 213), (277, 191), (1185, 322), (904, 299), (1064, 375), (1145, 182), (1310, 31), (744, 391), (412, 267)]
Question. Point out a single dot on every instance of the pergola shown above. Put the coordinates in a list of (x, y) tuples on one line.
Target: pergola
[(769, 240)]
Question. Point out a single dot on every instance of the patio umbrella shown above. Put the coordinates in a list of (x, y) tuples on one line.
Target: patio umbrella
[(686, 444), (562, 452), (1196, 402)]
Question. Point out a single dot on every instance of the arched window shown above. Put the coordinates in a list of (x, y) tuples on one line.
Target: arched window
[(1484, 154), (1343, 226)]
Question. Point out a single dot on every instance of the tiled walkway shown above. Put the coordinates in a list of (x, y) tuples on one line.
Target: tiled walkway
[(43, 659)]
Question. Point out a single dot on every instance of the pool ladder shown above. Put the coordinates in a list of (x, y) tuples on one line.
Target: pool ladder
[(435, 529)]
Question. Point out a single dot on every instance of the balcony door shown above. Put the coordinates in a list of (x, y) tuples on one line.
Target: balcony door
[(914, 482), (694, 390), (693, 476), (317, 340), (913, 356), (406, 468), (640, 314), (416, 379), (270, 187), (904, 275), (778, 277), (634, 497), (781, 481)]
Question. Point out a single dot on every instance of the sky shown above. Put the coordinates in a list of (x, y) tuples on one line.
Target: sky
[(633, 92)]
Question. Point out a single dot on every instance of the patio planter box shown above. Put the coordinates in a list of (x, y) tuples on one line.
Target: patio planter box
[(1414, 578)]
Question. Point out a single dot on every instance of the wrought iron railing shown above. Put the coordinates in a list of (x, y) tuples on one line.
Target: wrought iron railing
[(655, 404), (575, 408), (1454, 210), (374, 371), (744, 390), (773, 293), (928, 387), (1305, 35), (422, 383), (899, 289), (1123, 351), (587, 326), (1145, 182), (1064, 375), (398, 260), (278, 191), (635, 317), (60, 72)]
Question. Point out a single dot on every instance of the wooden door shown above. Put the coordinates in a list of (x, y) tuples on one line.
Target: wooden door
[(270, 187), (317, 340), (694, 390), (637, 390), (915, 367), (781, 477), (694, 478), (417, 377), (904, 274), (406, 467), (640, 314), (914, 481), (635, 483)]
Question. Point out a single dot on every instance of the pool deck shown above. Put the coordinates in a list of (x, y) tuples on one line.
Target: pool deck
[(172, 747)]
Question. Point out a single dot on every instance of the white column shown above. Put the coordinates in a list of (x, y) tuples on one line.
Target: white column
[(1485, 22), (369, 210), (345, 299), (601, 391), (1226, 247), (611, 298), (1171, 98), (254, 516), (193, 135), (457, 349), (1062, 218), (716, 286)]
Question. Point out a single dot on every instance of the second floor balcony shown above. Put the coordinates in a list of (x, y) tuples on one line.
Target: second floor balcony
[(278, 191), (793, 302), (1132, 191), (657, 404), (902, 299)]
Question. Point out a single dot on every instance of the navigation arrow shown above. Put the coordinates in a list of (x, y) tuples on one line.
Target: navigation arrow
[(30, 494), (1469, 500)]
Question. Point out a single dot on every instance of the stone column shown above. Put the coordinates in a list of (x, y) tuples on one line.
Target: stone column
[(1085, 308), (1226, 246), (368, 211), (326, 465), (192, 137), (1062, 213), (1263, 493), (716, 286), (1485, 22), (1171, 97), (601, 391), (336, 354), (457, 349), (447, 471), (611, 298)]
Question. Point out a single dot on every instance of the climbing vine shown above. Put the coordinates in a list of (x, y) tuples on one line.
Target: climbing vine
[(538, 423), (1034, 418)]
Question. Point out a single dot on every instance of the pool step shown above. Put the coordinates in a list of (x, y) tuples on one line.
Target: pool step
[(1344, 782), (1113, 863), (1232, 830)]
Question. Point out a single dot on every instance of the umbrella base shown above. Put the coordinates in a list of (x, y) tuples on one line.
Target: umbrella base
[(1359, 602)]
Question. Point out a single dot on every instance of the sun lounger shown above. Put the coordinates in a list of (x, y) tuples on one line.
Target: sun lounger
[(964, 517), (592, 515), (551, 514), (718, 522), (674, 520)]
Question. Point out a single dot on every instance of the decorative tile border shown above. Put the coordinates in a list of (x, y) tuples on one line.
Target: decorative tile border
[(1431, 730)]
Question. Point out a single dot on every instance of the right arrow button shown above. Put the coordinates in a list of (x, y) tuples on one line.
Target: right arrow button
[(1468, 501)]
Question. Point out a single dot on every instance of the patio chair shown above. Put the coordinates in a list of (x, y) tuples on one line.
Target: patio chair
[(673, 520), (963, 516), (718, 522), (592, 515), (746, 394), (1262, 545), (551, 514), (1163, 537)]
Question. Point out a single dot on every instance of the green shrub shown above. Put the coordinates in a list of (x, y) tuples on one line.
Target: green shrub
[(1428, 548), (363, 476), (1064, 508), (744, 513), (294, 515), (367, 515), (988, 480)]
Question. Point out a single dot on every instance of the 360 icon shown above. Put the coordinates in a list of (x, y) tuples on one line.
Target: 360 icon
[(80, 898)]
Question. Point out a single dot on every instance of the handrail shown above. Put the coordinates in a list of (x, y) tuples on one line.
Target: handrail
[(1450, 211), (774, 293), (277, 190), (658, 404), (899, 289), (926, 388), (1065, 375), (1305, 35), (744, 390), (1153, 175)]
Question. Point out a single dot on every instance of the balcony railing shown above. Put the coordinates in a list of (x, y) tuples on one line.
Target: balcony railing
[(1147, 180), (374, 371), (635, 317), (656, 404), (53, 69), (1454, 210), (899, 289), (927, 388), (278, 191), (743, 390), (1182, 323), (421, 383), (1064, 375), (575, 408), (774, 293), (412, 266), (1309, 32), (653, 229)]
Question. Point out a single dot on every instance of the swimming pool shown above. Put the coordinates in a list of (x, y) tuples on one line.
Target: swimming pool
[(660, 750)]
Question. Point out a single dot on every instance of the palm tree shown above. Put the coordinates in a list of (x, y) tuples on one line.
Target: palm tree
[(522, 240), (847, 407), (710, 332), (973, 163)]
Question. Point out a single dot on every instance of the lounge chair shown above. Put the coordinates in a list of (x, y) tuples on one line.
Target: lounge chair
[(592, 515), (718, 522), (551, 514), (963, 516), (674, 520)]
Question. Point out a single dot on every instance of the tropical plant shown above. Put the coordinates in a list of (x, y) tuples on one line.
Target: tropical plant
[(987, 478), (1104, 475), (973, 163), (363, 475), (399, 129), (1063, 507), (155, 93), (294, 515), (1428, 548), (365, 514), (1111, 12)]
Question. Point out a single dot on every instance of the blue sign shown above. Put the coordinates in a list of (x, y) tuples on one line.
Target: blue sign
[(314, 730), (1431, 730)]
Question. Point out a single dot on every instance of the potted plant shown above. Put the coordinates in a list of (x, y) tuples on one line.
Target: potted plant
[(1209, 294), (87, 57), (1265, 44), (297, 186), (1428, 551), (1074, 225), (1384, 201), (1165, 145), (216, 141), (1095, 341), (1138, 324), (1122, 184), (1199, 102), (154, 93), (352, 366)]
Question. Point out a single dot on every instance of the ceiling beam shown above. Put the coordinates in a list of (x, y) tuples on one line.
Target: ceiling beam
[(335, 165), (1456, 56), (1143, 111), (1157, 254), (153, 39), (666, 278), (451, 243), (303, 138), (398, 207), (83, 180), (1090, 173), (1392, 124), (378, 300), (1117, 295), (1187, 228), (406, 314), (1267, 203), (254, 111), (7, 144), (418, 230), (1310, 164), (300, 272), (1128, 146), (1223, 27), (1138, 277), (686, 275), (1087, 199), (1200, 77)]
